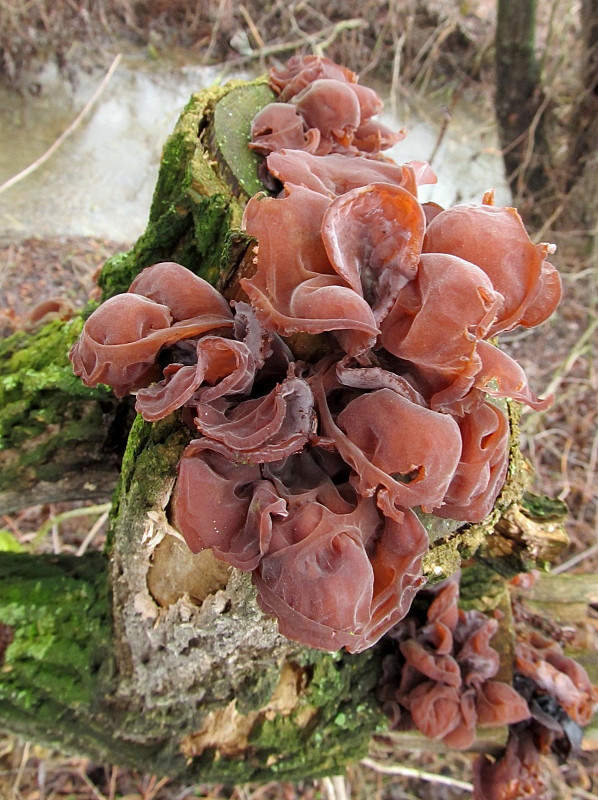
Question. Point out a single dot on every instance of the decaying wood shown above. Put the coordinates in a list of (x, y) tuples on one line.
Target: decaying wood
[(184, 675)]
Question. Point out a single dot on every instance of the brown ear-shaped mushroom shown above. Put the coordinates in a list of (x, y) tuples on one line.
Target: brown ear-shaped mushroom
[(453, 358), (497, 703), (498, 368), (444, 712), (555, 674), (257, 430), (362, 569), (121, 339), (519, 773), (382, 434), (279, 125), (226, 506), (47, 310), (295, 288), (373, 236), (440, 668), (481, 471), (186, 295), (225, 365), (373, 136), (439, 316), (445, 675), (335, 174), (495, 239), (333, 108), (299, 71)]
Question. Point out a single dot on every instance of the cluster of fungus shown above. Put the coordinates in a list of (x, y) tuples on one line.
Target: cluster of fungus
[(352, 385), (441, 678), (560, 698)]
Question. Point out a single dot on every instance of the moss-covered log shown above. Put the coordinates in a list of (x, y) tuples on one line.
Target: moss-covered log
[(173, 665), (59, 440)]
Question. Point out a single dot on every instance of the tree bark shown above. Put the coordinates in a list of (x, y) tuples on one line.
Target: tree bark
[(520, 101), (151, 657), (581, 165)]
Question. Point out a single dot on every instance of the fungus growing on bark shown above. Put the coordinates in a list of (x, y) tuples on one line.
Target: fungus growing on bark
[(120, 341), (519, 773), (311, 469), (560, 698), (442, 674)]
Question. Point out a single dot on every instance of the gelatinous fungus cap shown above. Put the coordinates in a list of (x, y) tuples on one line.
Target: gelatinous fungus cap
[(441, 679), (309, 464)]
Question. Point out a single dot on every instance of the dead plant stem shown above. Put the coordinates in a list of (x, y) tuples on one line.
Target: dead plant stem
[(70, 130), (410, 772)]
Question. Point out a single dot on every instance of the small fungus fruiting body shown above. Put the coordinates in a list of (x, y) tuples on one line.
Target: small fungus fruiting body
[(308, 465), (442, 675)]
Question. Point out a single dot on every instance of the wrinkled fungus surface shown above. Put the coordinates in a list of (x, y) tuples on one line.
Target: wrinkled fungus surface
[(355, 386), (441, 679), (560, 698)]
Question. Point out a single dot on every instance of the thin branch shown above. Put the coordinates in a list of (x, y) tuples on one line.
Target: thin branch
[(330, 33), (571, 562), (336, 788), (410, 772), (75, 512), (92, 532), (65, 134), (21, 770)]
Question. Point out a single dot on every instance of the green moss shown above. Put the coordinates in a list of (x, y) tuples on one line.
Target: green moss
[(48, 418), (149, 463), (193, 205), (480, 582), (56, 674), (542, 508), (330, 728), (58, 609)]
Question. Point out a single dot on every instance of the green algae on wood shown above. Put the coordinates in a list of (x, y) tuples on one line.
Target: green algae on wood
[(58, 610), (329, 726), (56, 434), (232, 134)]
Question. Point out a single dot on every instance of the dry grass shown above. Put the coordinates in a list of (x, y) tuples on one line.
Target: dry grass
[(410, 44), (417, 38)]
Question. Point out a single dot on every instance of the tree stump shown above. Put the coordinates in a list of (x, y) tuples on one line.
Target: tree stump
[(147, 655)]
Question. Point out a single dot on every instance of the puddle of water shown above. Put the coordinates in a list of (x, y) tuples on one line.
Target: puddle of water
[(100, 182), (467, 160)]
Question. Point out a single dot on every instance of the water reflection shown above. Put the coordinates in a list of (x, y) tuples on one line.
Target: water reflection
[(100, 182)]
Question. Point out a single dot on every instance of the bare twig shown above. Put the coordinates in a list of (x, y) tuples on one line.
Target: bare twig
[(336, 788), (574, 560), (330, 33), (63, 136), (584, 795), (410, 772), (22, 765), (90, 785), (92, 532), (252, 27), (43, 530)]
